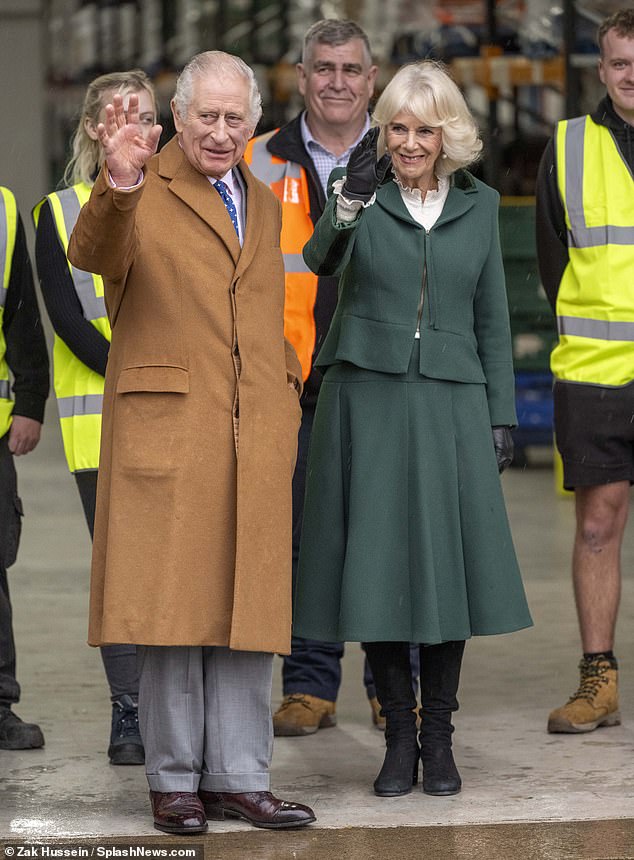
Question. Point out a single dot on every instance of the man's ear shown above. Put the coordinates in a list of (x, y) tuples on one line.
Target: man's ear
[(372, 79), (178, 123), (301, 78)]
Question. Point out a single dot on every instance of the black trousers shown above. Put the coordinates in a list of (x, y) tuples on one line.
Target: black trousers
[(119, 661), (10, 526)]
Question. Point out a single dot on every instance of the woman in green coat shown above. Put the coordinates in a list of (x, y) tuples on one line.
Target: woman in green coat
[(405, 535)]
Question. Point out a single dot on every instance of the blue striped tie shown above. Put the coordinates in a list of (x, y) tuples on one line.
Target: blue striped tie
[(222, 189)]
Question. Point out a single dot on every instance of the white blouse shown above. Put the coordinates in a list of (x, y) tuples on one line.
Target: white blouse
[(425, 212)]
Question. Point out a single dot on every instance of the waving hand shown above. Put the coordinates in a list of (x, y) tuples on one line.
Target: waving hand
[(125, 147), (364, 173)]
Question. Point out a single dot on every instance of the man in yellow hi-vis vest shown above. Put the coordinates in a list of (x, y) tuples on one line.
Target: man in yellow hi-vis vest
[(24, 383), (585, 242)]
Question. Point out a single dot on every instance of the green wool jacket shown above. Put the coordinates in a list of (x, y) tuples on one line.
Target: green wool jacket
[(385, 260)]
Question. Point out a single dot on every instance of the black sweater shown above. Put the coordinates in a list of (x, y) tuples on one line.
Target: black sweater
[(552, 244), (61, 300), (26, 352)]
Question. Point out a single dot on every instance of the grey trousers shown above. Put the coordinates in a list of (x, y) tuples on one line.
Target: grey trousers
[(205, 718)]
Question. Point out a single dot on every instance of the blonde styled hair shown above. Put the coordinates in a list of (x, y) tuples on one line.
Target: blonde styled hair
[(425, 90), (87, 157)]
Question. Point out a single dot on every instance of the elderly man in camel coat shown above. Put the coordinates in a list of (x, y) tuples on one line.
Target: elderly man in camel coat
[(192, 545)]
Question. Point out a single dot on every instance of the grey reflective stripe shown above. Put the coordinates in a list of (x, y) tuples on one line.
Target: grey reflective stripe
[(591, 237), (93, 306), (580, 235), (5, 389), (4, 239), (597, 329), (262, 165), (294, 263), (87, 404)]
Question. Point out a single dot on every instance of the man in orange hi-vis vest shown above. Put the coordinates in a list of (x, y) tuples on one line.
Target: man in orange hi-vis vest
[(336, 78)]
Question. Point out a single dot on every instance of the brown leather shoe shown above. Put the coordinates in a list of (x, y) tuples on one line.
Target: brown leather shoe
[(259, 808), (178, 812)]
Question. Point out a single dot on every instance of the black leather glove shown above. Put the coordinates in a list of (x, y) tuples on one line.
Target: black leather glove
[(503, 444), (364, 173)]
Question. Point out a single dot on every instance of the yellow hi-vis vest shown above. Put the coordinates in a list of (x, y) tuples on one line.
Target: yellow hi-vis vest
[(289, 183), (79, 390), (595, 302), (8, 230)]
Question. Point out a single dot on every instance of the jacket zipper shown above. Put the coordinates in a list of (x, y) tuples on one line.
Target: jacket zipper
[(421, 301)]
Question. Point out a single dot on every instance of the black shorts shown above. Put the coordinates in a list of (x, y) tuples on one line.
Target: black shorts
[(594, 428)]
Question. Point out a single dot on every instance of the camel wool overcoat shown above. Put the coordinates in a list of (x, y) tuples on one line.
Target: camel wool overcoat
[(192, 541)]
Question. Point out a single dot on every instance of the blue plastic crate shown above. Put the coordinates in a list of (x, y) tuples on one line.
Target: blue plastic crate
[(534, 406)]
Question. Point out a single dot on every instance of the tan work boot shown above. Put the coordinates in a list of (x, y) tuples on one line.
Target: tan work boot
[(377, 720), (596, 702), (301, 714)]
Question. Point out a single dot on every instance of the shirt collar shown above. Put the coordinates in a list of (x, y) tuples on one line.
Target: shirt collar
[(308, 137), (228, 179), (416, 195)]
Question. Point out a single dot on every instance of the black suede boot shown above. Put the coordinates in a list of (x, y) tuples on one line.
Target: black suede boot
[(390, 665), (439, 678)]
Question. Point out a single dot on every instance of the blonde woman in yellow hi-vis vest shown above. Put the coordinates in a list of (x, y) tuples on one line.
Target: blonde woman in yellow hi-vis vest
[(24, 384), (75, 303), (585, 244)]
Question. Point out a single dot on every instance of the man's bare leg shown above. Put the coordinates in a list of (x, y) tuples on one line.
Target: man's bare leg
[(601, 513), (596, 571)]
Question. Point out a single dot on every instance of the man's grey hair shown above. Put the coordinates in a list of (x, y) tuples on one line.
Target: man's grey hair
[(334, 32), (222, 65)]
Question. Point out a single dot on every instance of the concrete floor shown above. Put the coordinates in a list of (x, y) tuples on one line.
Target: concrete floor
[(526, 794)]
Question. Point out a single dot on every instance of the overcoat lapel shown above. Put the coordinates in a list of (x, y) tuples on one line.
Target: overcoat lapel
[(253, 227), (195, 190)]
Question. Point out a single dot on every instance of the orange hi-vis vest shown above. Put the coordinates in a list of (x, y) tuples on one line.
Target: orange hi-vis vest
[(289, 183)]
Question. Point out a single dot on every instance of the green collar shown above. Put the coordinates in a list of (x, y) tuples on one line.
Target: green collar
[(462, 187)]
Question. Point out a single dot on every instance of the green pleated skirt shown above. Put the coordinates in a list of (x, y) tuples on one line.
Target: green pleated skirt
[(405, 535)]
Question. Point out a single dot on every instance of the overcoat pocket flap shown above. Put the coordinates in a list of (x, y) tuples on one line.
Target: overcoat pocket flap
[(154, 378)]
